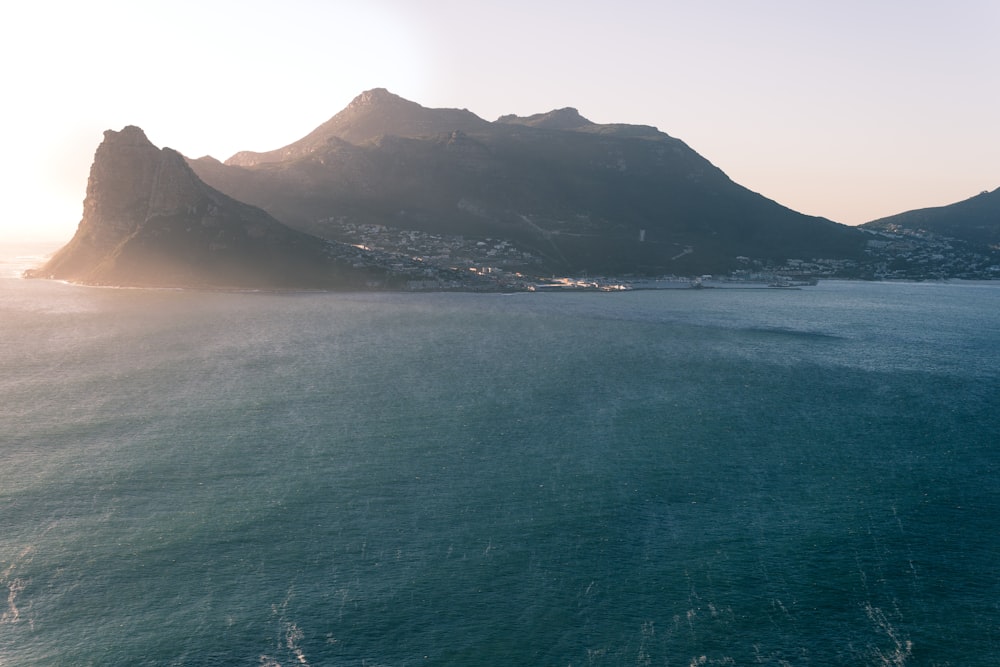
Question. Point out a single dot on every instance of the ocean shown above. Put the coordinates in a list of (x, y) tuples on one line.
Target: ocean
[(674, 477)]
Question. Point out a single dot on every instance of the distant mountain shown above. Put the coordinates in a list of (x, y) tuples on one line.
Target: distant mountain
[(582, 196), (975, 220), (149, 220)]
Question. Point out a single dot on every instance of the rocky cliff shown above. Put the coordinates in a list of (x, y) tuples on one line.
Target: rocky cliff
[(149, 220)]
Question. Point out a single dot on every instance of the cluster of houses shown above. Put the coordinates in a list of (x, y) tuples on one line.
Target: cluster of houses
[(422, 261), (908, 255)]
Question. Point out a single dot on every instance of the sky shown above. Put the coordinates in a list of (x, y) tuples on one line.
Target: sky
[(851, 110)]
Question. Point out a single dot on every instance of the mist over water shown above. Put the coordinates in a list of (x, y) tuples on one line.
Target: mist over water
[(680, 477)]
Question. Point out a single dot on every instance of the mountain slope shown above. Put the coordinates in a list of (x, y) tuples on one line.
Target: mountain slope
[(149, 220), (975, 220), (582, 196)]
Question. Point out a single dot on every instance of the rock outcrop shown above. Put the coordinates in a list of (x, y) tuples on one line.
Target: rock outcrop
[(558, 119), (148, 220)]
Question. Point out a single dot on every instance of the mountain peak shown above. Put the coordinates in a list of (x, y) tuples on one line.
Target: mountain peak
[(148, 219), (375, 97), (372, 114), (130, 135)]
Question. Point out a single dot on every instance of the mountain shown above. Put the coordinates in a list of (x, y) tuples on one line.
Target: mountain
[(370, 115), (575, 195), (149, 220), (975, 220)]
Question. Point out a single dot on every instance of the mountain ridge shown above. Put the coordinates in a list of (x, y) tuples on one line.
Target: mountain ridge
[(567, 118), (585, 197)]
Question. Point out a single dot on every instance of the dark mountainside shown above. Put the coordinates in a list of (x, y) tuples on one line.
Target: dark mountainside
[(577, 196), (975, 220), (148, 220)]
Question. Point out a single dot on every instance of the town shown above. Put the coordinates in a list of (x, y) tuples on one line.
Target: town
[(420, 261)]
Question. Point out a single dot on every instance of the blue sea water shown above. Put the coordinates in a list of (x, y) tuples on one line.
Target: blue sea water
[(678, 477)]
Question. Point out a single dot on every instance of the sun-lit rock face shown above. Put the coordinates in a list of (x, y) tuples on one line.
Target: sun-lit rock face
[(149, 220), (132, 181)]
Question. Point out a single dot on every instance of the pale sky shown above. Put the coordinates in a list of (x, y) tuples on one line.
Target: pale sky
[(852, 110)]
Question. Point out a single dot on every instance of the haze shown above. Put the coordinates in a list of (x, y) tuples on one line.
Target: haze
[(850, 110)]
